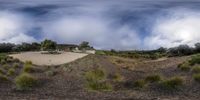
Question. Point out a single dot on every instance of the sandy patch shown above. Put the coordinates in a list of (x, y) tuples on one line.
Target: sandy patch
[(48, 59)]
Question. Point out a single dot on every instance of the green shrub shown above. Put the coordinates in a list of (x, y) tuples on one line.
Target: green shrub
[(196, 69), (139, 83), (195, 60), (3, 78), (184, 66), (28, 68), (25, 81), (1, 71), (173, 83), (28, 62), (6, 66), (197, 77), (16, 65), (117, 77), (11, 71), (153, 78), (96, 74), (3, 61), (98, 86), (96, 80)]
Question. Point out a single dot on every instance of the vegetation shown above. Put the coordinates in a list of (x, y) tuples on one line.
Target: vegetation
[(153, 78), (28, 68), (173, 83), (11, 71), (25, 81), (16, 65), (117, 77), (195, 60), (96, 80), (139, 83), (197, 77), (184, 66), (85, 46), (3, 78), (48, 45), (196, 69), (6, 66)]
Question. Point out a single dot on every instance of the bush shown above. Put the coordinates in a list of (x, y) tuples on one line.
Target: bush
[(1, 71), (173, 83), (28, 68), (96, 80), (197, 77), (139, 83), (16, 65), (153, 78), (28, 63), (3, 61), (96, 74), (196, 69), (184, 66), (195, 60), (11, 71), (99, 86), (3, 78), (6, 66), (25, 81), (117, 77)]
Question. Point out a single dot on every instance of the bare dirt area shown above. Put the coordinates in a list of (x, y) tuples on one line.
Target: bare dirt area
[(69, 81), (48, 59)]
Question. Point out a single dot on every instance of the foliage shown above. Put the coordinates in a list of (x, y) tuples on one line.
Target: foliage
[(28, 68), (153, 78), (181, 50), (84, 45), (197, 77), (6, 66), (184, 66), (139, 83), (196, 69), (117, 77), (99, 86), (3, 78), (25, 81), (96, 74), (96, 80), (173, 83), (195, 60), (16, 65), (48, 45), (11, 71)]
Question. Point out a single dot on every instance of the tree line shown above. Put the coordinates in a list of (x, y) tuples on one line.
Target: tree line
[(47, 45)]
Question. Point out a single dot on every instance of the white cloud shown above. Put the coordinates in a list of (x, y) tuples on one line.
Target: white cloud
[(179, 27), (98, 31), (12, 27)]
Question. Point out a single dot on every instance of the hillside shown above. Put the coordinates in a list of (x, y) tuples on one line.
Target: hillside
[(115, 78)]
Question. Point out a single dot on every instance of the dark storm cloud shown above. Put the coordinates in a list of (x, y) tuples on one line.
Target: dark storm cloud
[(106, 24)]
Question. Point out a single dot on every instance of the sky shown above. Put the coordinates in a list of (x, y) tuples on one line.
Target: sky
[(106, 24)]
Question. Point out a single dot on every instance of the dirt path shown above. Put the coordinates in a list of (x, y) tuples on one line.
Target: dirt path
[(48, 59)]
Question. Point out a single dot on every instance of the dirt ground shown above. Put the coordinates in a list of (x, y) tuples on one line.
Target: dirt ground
[(69, 83), (48, 59)]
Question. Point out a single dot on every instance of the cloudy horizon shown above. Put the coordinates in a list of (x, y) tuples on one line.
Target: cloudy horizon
[(106, 24)]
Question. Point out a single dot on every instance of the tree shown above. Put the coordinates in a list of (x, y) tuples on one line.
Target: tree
[(48, 45), (84, 45), (197, 47)]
